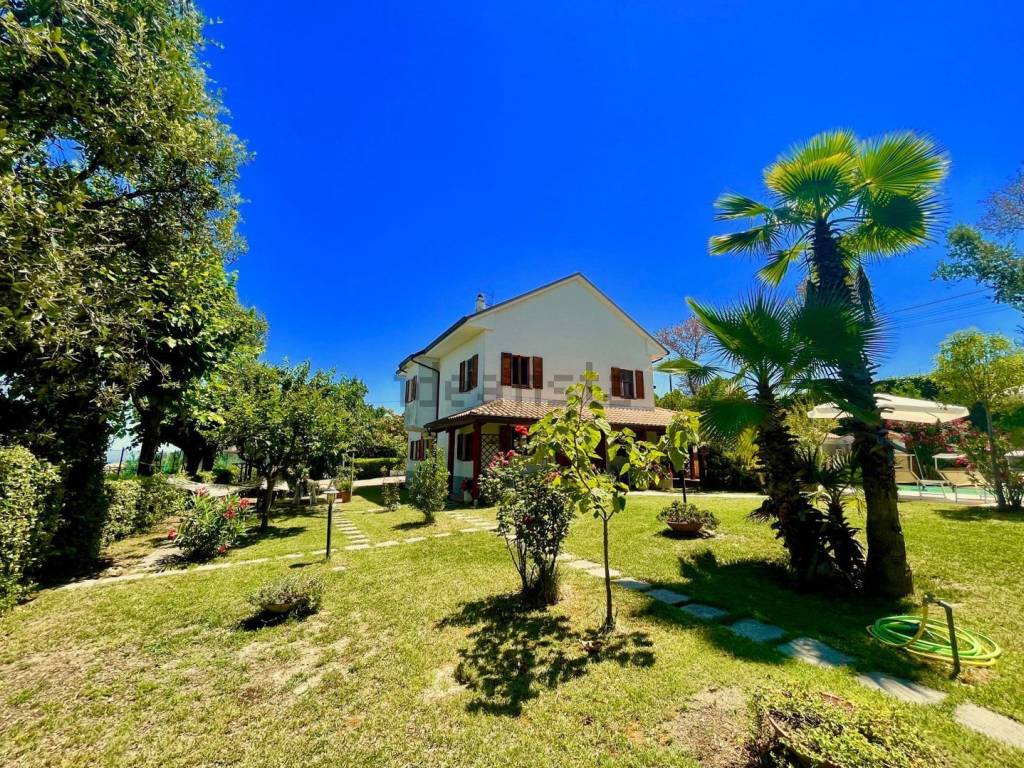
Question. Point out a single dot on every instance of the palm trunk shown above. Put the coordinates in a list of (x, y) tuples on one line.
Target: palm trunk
[(997, 481), (887, 571)]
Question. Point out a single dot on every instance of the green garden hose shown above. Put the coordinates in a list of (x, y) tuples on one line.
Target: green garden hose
[(933, 639)]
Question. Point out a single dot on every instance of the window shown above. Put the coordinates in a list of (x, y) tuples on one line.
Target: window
[(417, 449), (464, 447), (469, 373), (627, 384), (411, 386), (522, 371)]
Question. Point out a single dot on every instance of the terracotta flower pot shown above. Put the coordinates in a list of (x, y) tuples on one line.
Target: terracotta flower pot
[(345, 496), (280, 607)]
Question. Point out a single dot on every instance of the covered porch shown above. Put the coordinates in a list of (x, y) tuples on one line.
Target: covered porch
[(472, 438)]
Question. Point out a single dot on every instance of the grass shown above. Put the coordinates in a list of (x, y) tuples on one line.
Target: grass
[(418, 656)]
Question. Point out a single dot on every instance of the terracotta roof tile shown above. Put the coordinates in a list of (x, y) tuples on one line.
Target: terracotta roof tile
[(512, 410)]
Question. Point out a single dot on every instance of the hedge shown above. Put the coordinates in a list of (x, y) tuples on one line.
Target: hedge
[(29, 513), (134, 504), (368, 468)]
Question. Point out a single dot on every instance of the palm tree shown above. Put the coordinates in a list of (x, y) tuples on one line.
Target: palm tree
[(774, 351), (834, 203)]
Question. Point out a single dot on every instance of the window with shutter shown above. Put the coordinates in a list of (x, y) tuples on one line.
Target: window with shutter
[(515, 370), (474, 366), (506, 369), (638, 391), (616, 382), (462, 376), (538, 373)]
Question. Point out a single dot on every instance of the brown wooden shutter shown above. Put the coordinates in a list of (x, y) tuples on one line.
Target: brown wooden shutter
[(415, 387), (506, 369), (638, 390), (474, 367), (538, 373), (616, 382), (462, 377), (407, 398)]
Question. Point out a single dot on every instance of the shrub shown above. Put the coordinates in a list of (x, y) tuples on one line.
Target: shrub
[(806, 729), (29, 512), (680, 512), (534, 518), (390, 497), (428, 487), (367, 468), (225, 475), (211, 526), (297, 593), (204, 476), (134, 504)]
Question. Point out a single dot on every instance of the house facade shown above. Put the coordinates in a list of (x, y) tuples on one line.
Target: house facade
[(510, 363)]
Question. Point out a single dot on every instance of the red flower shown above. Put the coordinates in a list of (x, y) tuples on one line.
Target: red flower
[(172, 534), (522, 429), (202, 492), (229, 513), (222, 549), (245, 503)]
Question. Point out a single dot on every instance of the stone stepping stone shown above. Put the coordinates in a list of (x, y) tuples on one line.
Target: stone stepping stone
[(904, 690), (992, 724), (704, 612), (758, 631), (440, 535), (564, 556), (667, 596), (811, 651), (599, 572), (582, 565), (639, 586), (387, 544), (468, 530), (357, 546), (413, 539), (338, 568)]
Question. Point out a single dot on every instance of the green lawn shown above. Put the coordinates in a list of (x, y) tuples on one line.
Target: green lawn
[(417, 658)]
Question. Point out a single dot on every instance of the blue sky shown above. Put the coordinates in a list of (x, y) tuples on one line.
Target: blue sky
[(410, 155)]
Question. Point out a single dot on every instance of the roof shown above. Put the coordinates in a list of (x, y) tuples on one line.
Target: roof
[(519, 411), (574, 276)]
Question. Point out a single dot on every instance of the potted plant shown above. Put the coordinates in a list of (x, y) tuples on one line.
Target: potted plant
[(467, 491), (297, 593), (344, 486), (686, 518)]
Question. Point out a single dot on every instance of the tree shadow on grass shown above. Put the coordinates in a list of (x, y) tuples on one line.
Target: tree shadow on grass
[(967, 514), (255, 535), (765, 590), (515, 652), (412, 525)]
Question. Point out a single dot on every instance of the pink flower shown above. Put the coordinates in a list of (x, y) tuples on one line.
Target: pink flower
[(202, 492), (172, 534), (245, 503), (522, 429)]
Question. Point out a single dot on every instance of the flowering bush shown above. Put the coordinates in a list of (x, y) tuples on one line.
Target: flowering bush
[(211, 526), (534, 518), (926, 440), (980, 467), (390, 498)]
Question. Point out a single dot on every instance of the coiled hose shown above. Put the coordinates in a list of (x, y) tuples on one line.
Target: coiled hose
[(929, 639)]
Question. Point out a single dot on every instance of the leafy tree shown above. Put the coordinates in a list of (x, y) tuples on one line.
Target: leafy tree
[(834, 203), (282, 419), (379, 433), (774, 352), (676, 400), (691, 341), (1004, 208), (984, 369), (567, 441), (922, 387), (995, 265), (115, 169), (428, 486)]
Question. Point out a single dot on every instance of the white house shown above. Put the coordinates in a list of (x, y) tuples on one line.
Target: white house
[(510, 363)]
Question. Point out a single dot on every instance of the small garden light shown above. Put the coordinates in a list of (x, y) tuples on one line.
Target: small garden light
[(330, 493)]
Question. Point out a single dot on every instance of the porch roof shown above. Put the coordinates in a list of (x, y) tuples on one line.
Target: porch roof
[(512, 411)]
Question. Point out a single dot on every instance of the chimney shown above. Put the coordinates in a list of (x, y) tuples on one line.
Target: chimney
[(481, 302)]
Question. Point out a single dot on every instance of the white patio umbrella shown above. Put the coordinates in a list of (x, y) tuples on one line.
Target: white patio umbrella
[(895, 408)]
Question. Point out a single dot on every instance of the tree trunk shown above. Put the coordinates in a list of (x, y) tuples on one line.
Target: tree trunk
[(609, 617), (887, 572), (265, 501), (149, 426), (997, 481), (193, 461)]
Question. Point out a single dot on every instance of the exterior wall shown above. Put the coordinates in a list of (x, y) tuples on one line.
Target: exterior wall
[(453, 401), (421, 410), (572, 329)]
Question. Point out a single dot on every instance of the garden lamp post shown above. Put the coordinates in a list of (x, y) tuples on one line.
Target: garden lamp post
[(330, 493)]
